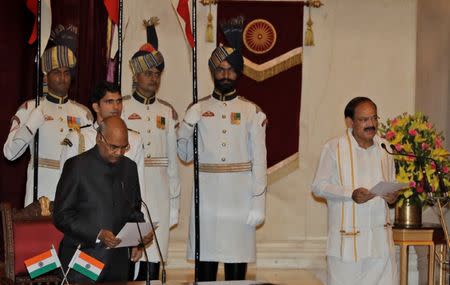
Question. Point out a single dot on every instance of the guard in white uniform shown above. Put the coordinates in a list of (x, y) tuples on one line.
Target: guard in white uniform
[(54, 117), (107, 102), (157, 121), (360, 245), (232, 170)]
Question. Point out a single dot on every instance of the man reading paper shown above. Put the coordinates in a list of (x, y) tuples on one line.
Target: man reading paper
[(360, 245), (97, 194)]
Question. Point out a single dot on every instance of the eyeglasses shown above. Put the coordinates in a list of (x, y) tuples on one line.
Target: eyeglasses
[(114, 148), (367, 119)]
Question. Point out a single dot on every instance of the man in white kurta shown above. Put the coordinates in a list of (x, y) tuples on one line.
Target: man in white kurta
[(156, 120), (106, 102), (360, 246), (232, 170), (54, 117)]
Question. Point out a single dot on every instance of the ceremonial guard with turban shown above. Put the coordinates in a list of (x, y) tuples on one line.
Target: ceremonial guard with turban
[(156, 120), (54, 116), (232, 165)]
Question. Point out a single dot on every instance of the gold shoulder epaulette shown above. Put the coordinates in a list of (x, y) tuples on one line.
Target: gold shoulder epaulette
[(200, 100), (174, 112), (258, 109), (88, 112)]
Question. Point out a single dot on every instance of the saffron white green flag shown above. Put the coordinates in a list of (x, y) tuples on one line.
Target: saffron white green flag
[(86, 265), (42, 263)]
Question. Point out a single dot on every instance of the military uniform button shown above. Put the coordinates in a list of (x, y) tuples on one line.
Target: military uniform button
[(224, 116), (225, 104), (223, 159), (61, 130), (148, 156), (148, 131), (224, 131), (224, 144), (148, 118), (149, 143)]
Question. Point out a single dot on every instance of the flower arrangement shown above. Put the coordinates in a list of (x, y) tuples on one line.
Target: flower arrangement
[(414, 134)]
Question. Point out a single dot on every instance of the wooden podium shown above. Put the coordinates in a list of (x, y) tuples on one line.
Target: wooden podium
[(429, 235)]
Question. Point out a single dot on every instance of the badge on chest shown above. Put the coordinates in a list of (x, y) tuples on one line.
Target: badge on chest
[(73, 122), (160, 122), (235, 118)]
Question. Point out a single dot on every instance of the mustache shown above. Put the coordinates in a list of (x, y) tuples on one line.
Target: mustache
[(370, 129)]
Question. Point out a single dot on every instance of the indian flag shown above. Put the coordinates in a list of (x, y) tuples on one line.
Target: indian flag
[(42, 263), (86, 265)]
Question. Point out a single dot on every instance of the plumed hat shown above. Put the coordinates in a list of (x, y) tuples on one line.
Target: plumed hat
[(232, 29), (148, 55), (61, 51)]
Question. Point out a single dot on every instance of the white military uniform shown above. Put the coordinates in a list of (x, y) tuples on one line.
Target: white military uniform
[(360, 245), (232, 165), (157, 120), (80, 141), (53, 117)]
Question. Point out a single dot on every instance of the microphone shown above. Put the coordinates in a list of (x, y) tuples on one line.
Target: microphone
[(136, 208), (163, 267), (421, 160)]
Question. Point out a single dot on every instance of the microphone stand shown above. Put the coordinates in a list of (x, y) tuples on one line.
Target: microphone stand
[(163, 267), (433, 200), (142, 245)]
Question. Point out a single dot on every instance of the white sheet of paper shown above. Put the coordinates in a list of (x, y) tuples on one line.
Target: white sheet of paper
[(383, 188), (129, 234)]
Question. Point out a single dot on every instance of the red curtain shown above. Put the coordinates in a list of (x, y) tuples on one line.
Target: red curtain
[(279, 96)]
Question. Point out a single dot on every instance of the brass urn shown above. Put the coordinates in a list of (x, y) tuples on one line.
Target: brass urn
[(409, 214)]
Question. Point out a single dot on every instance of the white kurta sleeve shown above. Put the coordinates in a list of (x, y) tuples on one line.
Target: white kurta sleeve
[(259, 169), (172, 172), (326, 182), (185, 133), (139, 159), (22, 131)]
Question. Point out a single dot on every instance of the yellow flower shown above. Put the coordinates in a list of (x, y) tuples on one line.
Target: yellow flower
[(439, 152)]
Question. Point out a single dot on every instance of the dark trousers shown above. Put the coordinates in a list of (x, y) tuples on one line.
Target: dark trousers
[(207, 271), (142, 274)]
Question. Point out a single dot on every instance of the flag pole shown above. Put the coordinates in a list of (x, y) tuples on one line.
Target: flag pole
[(119, 57), (37, 60), (196, 168)]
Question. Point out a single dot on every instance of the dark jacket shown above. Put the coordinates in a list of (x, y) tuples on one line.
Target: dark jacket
[(91, 195)]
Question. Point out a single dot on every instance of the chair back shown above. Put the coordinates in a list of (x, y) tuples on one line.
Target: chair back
[(26, 233)]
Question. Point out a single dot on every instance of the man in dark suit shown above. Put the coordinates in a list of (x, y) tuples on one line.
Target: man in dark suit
[(97, 194)]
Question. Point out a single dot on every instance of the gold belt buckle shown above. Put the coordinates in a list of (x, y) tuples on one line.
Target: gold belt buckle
[(349, 234)]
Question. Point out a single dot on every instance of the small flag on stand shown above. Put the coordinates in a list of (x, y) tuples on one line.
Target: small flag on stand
[(86, 265), (42, 263)]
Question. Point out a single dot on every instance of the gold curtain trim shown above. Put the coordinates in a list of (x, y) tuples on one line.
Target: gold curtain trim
[(261, 72), (156, 162), (223, 168), (48, 163), (108, 38)]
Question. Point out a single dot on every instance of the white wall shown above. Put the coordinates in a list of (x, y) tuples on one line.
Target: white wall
[(363, 48)]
